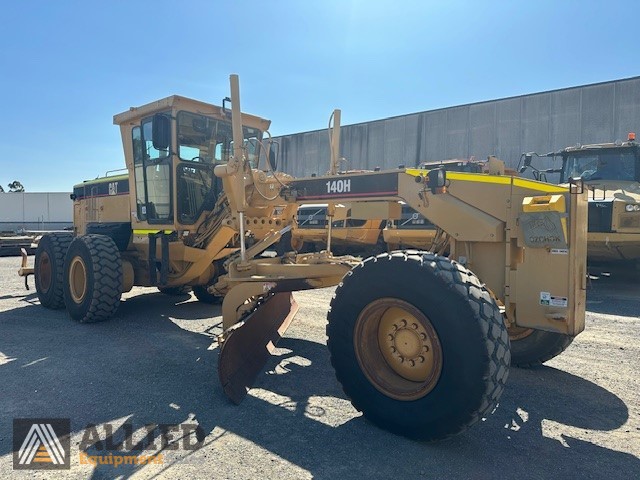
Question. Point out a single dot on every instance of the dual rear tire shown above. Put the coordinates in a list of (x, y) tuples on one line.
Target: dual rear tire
[(49, 269), (83, 274)]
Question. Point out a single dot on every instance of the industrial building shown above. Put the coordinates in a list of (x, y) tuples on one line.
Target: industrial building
[(33, 211), (540, 122), (508, 127)]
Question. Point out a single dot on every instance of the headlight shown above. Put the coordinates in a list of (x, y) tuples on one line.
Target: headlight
[(632, 207)]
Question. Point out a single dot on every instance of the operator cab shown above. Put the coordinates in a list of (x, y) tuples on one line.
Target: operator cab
[(607, 164), (174, 145)]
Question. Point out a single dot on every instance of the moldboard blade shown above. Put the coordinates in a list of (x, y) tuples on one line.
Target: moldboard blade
[(248, 345)]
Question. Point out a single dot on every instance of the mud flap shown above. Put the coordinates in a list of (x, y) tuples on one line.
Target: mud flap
[(247, 345)]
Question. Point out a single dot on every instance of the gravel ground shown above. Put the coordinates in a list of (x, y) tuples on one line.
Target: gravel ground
[(156, 363)]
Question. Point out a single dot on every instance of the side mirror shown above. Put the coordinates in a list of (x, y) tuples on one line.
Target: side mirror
[(274, 151), (161, 131), (225, 111), (437, 180), (273, 160)]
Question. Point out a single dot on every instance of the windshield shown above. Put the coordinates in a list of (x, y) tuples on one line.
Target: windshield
[(603, 165), (311, 217), (207, 140), (202, 142)]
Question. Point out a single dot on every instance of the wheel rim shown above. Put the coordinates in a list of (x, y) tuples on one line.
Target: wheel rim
[(44, 271), (518, 333), (78, 279), (398, 349)]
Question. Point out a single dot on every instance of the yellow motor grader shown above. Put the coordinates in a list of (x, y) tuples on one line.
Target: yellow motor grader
[(349, 235), (420, 342)]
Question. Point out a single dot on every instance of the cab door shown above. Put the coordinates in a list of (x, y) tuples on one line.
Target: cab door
[(153, 177)]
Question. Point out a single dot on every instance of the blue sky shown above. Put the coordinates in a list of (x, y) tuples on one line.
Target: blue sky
[(66, 67)]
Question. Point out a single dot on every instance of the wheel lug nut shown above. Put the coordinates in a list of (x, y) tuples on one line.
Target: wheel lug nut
[(415, 326), (390, 337), (426, 348), (403, 322), (423, 336), (421, 358), (412, 363)]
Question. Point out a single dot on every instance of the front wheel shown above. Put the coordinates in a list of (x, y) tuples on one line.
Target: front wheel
[(418, 344), (530, 348), (93, 278)]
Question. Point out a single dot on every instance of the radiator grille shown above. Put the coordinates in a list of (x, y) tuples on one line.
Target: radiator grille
[(600, 215)]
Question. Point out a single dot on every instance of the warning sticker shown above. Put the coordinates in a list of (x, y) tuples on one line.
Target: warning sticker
[(547, 299), (559, 251)]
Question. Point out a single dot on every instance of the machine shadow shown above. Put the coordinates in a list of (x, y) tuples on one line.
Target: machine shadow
[(140, 366), (154, 364), (333, 451)]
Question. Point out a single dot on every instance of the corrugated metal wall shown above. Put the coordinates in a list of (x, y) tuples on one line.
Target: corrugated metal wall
[(35, 211), (541, 122)]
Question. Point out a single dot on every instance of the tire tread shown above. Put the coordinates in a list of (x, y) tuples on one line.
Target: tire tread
[(107, 278), (59, 245), (491, 322)]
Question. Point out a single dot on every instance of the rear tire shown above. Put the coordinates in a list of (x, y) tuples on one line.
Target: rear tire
[(530, 348), (93, 278), (175, 291), (201, 293), (416, 307), (49, 269)]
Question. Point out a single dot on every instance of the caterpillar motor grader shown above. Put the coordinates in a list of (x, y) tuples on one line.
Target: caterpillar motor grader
[(419, 342)]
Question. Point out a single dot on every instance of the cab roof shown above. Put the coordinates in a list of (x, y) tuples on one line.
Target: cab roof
[(177, 102), (599, 146)]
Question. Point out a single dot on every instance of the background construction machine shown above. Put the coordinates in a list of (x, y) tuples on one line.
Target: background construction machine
[(611, 171), (411, 230), (370, 236), (349, 235), (419, 341), (356, 236)]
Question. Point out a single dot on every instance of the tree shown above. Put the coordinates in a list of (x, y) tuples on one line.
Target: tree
[(1, 189), (16, 187)]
